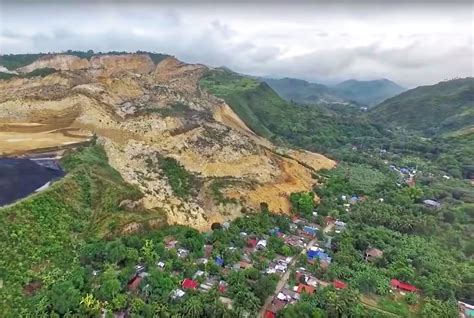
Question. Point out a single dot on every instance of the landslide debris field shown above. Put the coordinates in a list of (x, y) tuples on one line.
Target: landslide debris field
[(161, 131)]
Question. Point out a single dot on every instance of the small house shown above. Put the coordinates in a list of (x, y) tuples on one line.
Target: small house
[(302, 288), (198, 273), (340, 225), (252, 242), (219, 261), (339, 284), (395, 283), (432, 204), (372, 254), (134, 283), (189, 283), (465, 310), (177, 293), (183, 253), (310, 230), (262, 244)]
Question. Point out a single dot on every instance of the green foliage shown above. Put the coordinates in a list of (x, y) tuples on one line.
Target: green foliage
[(431, 110), (180, 180), (14, 61), (302, 203)]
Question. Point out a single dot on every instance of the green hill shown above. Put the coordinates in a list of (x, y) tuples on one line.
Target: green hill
[(304, 92), (41, 235), (431, 110), (367, 92), (314, 127)]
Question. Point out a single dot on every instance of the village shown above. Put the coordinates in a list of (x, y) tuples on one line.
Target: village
[(288, 255)]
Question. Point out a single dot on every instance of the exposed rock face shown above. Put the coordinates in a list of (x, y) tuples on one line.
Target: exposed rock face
[(59, 62), (142, 112)]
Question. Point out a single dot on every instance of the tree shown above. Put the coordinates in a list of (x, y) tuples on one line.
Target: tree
[(110, 285), (64, 297), (193, 307), (302, 202)]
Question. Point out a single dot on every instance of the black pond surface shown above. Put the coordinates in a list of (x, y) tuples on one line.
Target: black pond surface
[(21, 177)]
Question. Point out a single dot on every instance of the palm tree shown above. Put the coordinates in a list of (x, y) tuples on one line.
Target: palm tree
[(193, 307)]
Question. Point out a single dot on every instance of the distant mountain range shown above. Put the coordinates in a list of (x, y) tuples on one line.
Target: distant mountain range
[(446, 107), (363, 93)]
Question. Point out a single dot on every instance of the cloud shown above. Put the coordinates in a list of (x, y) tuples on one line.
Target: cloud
[(410, 44)]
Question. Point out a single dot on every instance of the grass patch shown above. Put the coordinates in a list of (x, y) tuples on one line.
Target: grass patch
[(180, 180), (217, 186)]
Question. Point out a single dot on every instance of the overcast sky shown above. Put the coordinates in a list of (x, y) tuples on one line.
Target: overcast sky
[(412, 44)]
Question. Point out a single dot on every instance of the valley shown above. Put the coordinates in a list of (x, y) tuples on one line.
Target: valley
[(192, 191)]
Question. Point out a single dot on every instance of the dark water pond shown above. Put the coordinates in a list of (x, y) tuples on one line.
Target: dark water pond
[(21, 177)]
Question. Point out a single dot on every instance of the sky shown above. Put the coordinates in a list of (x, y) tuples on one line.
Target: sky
[(411, 43)]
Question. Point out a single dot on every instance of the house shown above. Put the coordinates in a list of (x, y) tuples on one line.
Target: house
[(275, 231), (276, 305), (160, 264), (219, 261), (177, 293), (395, 283), (198, 273), (252, 242), (290, 294), (208, 284), (353, 199), (372, 254), (309, 230), (329, 220), (208, 250), (340, 225), (189, 283), (431, 204), (134, 283), (222, 286), (339, 284), (170, 243), (183, 253), (139, 269), (202, 260), (318, 254), (262, 244), (302, 288), (465, 310), (269, 314)]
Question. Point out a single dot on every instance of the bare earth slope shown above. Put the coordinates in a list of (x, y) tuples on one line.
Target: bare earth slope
[(142, 112)]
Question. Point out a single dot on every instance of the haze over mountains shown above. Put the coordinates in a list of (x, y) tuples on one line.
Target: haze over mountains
[(364, 93)]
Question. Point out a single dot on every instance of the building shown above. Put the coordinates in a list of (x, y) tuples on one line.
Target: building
[(262, 244), (252, 242), (189, 283), (465, 310), (310, 230), (431, 204), (302, 288), (395, 283), (219, 261), (372, 254), (339, 284), (177, 293), (134, 283)]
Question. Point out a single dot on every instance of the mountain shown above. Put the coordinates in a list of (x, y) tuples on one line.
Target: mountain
[(185, 149), (304, 92), (445, 107), (367, 92)]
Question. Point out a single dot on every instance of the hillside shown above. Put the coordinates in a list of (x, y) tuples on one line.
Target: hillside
[(42, 235), (304, 92), (187, 151), (314, 127), (431, 110), (367, 93)]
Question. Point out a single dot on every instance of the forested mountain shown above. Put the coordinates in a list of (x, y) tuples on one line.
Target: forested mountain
[(304, 92), (363, 93), (367, 92), (431, 110)]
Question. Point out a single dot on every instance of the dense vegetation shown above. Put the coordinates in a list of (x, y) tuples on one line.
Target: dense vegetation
[(42, 235), (364, 93), (368, 92), (432, 110)]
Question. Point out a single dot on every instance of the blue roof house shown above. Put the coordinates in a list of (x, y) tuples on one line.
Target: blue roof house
[(219, 261), (309, 230)]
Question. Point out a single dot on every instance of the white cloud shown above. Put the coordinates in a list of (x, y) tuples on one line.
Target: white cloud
[(411, 44)]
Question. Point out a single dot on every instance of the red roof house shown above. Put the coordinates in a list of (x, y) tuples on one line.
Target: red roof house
[(134, 283), (188, 283), (269, 314), (403, 286), (339, 284), (252, 242), (305, 288)]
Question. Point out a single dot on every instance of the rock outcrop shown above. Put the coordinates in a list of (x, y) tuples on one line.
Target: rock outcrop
[(142, 112)]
